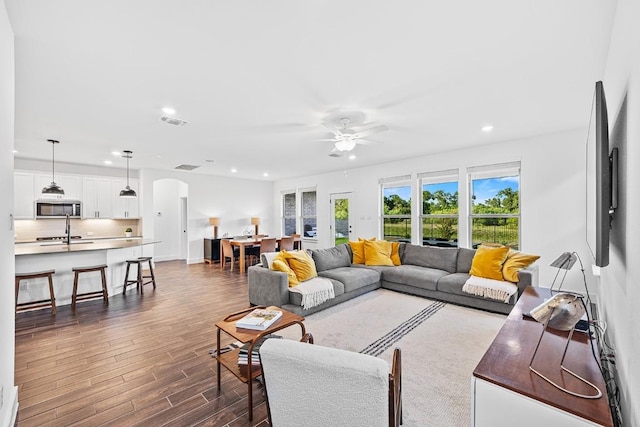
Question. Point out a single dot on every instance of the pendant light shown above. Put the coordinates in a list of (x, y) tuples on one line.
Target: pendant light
[(53, 188), (128, 193)]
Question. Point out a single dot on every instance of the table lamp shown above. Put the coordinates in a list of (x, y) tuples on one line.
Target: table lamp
[(255, 221), (215, 222), (561, 312), (564, 262)]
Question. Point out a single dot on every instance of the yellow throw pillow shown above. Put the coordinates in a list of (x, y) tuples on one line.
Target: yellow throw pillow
[(487, 262), (395, 255), (302, 264), (357, 248), (377, 252), (280, 265), (514, 263)]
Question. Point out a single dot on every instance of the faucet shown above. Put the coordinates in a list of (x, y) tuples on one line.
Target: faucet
[(67, 230)]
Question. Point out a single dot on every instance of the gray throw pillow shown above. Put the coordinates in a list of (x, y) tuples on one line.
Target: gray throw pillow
[(330, 258), (465, 258)]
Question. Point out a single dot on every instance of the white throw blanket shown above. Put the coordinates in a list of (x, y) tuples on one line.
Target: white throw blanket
[(490, 288), (314, 291)]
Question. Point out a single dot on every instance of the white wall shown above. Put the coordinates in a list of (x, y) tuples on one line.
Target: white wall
[(620, 290), (233, 200), (552, 191), (8, 392)]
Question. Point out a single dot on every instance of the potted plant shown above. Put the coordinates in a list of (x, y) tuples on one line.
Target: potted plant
[(128, 231)]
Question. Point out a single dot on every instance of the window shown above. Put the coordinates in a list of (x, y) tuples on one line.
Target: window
[(495, 205), (396, 209), (309, 213), (439, 216), (289, 218)]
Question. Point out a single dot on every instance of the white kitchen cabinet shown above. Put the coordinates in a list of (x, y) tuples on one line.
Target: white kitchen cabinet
[(123, 207), (23, 191), (97, 198), (71, 184)]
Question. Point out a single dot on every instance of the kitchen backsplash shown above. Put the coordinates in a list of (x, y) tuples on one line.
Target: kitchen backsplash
[(30, 229)]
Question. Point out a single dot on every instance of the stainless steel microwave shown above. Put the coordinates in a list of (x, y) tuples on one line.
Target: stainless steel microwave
[(58, 208)]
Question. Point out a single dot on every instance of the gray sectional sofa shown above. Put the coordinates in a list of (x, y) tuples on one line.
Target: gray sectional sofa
[(427, 271)]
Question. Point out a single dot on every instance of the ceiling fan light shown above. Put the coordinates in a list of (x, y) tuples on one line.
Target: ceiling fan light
[(345, 145)]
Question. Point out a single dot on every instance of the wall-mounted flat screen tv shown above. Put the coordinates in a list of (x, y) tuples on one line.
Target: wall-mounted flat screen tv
[(601, 180)]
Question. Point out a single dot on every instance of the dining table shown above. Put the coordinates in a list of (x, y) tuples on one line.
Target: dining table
[(242, 244)]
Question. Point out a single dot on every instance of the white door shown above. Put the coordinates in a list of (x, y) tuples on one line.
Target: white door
[(341, 214), (184, 240)]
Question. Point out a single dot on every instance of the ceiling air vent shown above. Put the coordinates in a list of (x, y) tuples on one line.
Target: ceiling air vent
[(184, 167), (173, 121)]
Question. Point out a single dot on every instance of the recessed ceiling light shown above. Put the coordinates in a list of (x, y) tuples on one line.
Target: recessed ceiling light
[(108, 162), (234, 170), (115, 153), (168, 110), (487, 128), (265, 174), (352, 157)]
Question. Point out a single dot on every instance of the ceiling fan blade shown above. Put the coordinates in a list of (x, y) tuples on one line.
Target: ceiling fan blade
[(327, 140), (367, 141), (334, 130), (370, 131)]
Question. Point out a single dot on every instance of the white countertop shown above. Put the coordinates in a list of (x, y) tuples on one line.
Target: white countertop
[(56, 247)]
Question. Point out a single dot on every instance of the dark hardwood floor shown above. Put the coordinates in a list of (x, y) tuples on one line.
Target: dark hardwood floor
[(142, 360)]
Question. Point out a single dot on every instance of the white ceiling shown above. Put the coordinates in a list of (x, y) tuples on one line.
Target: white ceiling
[(255, 79)]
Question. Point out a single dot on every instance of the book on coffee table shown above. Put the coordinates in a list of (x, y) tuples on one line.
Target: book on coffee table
[(260, 319)]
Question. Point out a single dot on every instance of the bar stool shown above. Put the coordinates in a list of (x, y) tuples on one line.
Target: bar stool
[(139, 281), (41, 303), (75, 297)]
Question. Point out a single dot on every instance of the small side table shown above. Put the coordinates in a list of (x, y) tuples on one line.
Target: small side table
[(229, 360)]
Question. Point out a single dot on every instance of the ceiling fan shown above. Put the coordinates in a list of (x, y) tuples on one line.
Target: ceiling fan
[(346, 138)]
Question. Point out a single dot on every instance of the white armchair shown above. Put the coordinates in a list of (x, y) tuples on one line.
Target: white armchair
[(311, 385)]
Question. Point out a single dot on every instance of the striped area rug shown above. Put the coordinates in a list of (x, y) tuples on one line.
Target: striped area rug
[(441, 345)]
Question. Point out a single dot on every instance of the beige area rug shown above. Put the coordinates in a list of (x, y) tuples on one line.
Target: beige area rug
[(441, 345)]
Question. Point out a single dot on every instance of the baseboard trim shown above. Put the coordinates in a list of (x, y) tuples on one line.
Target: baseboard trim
[(12, 414)]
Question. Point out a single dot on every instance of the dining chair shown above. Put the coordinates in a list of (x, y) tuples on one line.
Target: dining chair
[(268, 244), (253, 252), (286, 243), (228, 251), (297, 243)]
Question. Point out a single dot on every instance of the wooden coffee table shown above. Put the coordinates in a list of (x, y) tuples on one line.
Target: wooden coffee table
[(247, 373)]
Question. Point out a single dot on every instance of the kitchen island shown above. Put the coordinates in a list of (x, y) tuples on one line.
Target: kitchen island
[(63, 257)]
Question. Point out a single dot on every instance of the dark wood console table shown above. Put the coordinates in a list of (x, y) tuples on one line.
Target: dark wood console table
[(211, 250), (506, 393)]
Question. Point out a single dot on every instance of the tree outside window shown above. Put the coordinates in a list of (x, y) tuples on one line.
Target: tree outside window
[(495, 210), (396, 212), (440, 214)]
